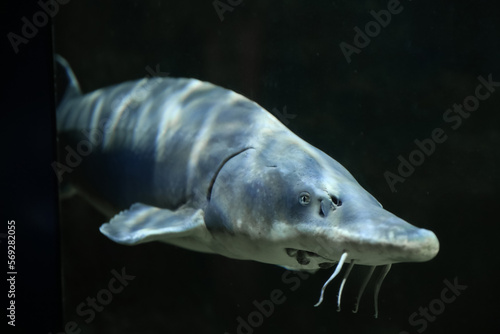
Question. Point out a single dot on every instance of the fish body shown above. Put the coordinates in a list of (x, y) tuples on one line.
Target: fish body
[(201, 167)]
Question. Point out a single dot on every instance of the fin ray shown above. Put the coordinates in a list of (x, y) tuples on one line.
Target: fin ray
[(66, 82)]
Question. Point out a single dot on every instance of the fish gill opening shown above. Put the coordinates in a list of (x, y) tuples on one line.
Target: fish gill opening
[(209, 192)]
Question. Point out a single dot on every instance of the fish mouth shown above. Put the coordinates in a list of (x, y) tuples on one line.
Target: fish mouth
[(303, 257)]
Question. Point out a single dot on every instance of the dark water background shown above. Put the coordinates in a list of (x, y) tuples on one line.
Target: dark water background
[(364, 114)]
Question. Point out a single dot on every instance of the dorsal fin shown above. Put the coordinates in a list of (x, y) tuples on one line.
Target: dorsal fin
[(67, 85)]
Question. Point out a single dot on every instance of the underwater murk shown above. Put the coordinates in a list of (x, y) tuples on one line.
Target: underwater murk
[(272, 134)]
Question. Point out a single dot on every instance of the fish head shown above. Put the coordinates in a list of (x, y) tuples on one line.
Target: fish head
[(334, 214), (301, 209)]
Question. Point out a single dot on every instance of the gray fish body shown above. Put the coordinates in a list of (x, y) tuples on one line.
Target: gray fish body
[(162, 151), (201, 167)]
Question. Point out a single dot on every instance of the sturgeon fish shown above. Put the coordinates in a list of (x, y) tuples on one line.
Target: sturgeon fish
[(201, 167)]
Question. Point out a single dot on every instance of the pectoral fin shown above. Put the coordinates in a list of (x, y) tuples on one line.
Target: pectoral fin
[(143, 223)]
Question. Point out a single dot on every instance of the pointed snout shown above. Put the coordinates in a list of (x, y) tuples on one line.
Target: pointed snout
[(421, 245), (376, 236)]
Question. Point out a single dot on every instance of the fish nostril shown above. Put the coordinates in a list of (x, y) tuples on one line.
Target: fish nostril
[(321, 211), (325, 207), (329, 205), (336, 200)]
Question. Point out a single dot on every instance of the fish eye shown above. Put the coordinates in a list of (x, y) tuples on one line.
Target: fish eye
[(304, 198)]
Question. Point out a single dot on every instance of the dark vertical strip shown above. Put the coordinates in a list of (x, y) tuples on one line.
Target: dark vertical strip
[(29, 185)]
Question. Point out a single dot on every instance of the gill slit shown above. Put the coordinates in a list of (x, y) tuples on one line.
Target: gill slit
[(209, 191)]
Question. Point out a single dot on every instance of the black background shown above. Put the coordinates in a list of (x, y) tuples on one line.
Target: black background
[(364, 114)]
